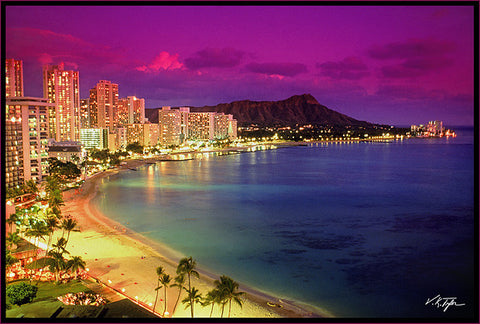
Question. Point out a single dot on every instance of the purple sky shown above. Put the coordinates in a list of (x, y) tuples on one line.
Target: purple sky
[(384, 64)]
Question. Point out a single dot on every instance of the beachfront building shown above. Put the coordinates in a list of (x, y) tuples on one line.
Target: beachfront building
[(66, 151), (121, 137), (178, 125), (103, 105), (232, 128), (134, 133), (201, 126), (144, 134), (225, 127), (62, 88), (94, 138), (150, 134), (131, 110), (13, 152), (433, 128), (13, 78), (170, 126), (27, 122)]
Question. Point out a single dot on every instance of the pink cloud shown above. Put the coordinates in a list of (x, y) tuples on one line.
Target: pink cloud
[(163, 61), (47, 46), (215, 57), (280, 69)]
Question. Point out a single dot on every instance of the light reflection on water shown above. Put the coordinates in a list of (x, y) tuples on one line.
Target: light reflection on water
[(362, 229)]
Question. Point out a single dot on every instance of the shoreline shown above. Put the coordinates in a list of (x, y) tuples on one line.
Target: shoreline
[(134, 258)]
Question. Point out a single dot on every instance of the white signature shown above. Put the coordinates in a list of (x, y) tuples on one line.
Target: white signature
[(443, 302)]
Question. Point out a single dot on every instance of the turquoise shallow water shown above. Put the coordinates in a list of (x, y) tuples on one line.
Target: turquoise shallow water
[(362, 229)]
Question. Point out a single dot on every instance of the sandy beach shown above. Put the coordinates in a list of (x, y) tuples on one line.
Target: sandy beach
[(126, 261)]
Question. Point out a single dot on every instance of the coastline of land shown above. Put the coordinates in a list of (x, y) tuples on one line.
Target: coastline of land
[(126, 261)]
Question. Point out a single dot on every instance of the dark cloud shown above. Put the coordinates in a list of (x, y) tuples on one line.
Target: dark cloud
[(350, 68), (417, 57), (412, 48), (415, 67), (408, 92), (215, 57), (281, 69)]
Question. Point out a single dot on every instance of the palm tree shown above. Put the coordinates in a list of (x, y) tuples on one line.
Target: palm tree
[(68, 225), (31, 186), (76, 263), (193, 298), (159, 271), (179, 282), (12, 240), (9, 259), (37, 230), (187, 266), (57, 264), (54, 195), (229, 287), (55, 200), (165, 280), (52, 224), (60, 246), (12, 220), (213, 297)]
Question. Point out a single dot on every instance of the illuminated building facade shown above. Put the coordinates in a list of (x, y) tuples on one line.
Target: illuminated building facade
[(94, 138), (84, 113), (435, 127), (135, 134), (170, 126), (13, 78), (121, 133), (66, 152), (131, 110), (150, 134), (178, 125), (103, 105), (62, 88), (13, 152), (28, 130), (201, 126)]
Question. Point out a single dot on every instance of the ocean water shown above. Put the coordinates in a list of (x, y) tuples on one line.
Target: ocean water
[(362, 229)]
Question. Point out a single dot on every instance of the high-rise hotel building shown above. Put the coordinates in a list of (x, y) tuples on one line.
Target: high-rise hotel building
[(84, 113), (201, 126), (178, 125), (103, 105), (131, 110), (62, 88), (13, 78), (170, 129), (26, 139)]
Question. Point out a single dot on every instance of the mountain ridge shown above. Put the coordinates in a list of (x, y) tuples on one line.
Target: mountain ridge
[(297, 109)]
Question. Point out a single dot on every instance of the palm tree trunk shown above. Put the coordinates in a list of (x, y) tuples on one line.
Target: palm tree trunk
[(48, 243), (229, 307), (165, 300), (190, 295), (178, 298), (156, 298), (68, 237), (211, 311), (223, 307)]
